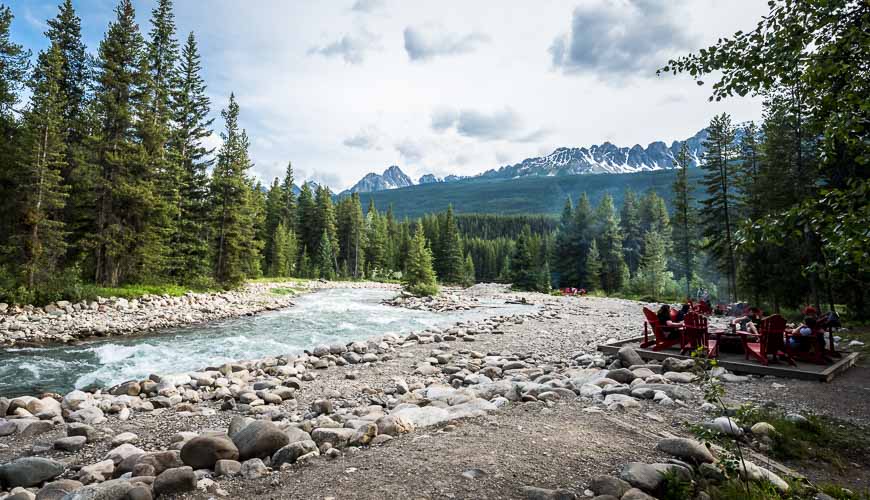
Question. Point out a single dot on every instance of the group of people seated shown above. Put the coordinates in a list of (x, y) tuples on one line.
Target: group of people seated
[(800, 337)]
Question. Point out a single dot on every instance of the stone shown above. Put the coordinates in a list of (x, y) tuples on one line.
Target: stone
[(259, 439), (609, 485), (755, 473), (79, 429), (290, 453), (673, 391), (629, 357), (124, 437), (97, 472), (204, 451), (139, 493), (130, 388), (321, 407), (763, 429), (176, 480), (726, 426), (237, 424), (70, 443), (680, 377), (686, 449), (621, 375), (7, 428), (295, 434), (649, 477), (90, 415), (339, 437), (116, 489), (58, 489), (29, 471), (37, 427), (636, 494), (120, 453), (364, 435), (533, 493), (227, 467), (253, 469), (677, 365), (159, 460)]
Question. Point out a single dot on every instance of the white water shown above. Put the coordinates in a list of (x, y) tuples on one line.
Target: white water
[(340, 315)]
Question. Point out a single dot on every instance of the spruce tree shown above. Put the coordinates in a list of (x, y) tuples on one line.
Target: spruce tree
[(376, 242), (468, 272), (283, 258), (630, 224), (593, 268), (582, 235), (14, 64), (308, 231), (289, 205), (325, 256), (451, 261), (352, 239), (190, 107), (718, 212), (684, 219), (564, 250), (274, 216), (613, 268), (419, 277), (324, 221), (524, 268), (653, 266), (43, 157), (233, 206), (127, 242)]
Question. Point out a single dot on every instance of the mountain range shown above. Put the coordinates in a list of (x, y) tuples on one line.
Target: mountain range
[(606, 158)]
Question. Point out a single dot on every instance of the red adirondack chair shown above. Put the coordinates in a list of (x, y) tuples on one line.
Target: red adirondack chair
[(770, 341), (660, 339), (817, 352), (697, 334)]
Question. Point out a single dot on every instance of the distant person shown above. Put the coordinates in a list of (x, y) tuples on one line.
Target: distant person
[(751, 322), (803, 336)]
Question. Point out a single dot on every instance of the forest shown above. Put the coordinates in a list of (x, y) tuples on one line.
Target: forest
[(105, 180)]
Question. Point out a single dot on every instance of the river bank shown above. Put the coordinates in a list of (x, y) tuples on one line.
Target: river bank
[(481, 409), (64, 322)]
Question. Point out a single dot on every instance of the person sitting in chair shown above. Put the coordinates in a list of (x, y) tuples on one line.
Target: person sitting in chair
[(681, 314), (669, 327), (749, 323), (803, 335)]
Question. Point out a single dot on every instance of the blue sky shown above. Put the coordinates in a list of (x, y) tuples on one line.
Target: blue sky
[(347, 87)]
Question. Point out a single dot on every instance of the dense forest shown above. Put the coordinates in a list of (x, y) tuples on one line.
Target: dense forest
[(105, 179)]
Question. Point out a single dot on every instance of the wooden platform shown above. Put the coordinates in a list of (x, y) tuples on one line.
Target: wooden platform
[(737, 363)]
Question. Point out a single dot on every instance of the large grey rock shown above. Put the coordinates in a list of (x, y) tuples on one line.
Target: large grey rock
[(677, 365), (159, 461), (29, 471), (98, 472), (227, 467), (673, 391), (202, 452), (755, 473), (621, 375), (70, 443), (253, 469), (58, 489), (636, 494), (90, 415), (686, 449), (423, 416), (295, 434), (4, 407), (649, 477), (259, 439), (7, 428), (116, 489), (533, 493), (338, 436), (393, 425), (79, 429), (177, 480), (290, 453), (629, 357), (609, 485), (364, 435)]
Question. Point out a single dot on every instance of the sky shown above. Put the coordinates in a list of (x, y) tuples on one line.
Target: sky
[(346, 87)]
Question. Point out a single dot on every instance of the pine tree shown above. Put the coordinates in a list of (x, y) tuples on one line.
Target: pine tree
[(468, 272), (419, 278), (127, 242), (289, 205), (451, 261), (274, 216), (613, 268), (653, 267), (525, 270), (41, 239), (582, 235), (308, 232), (326, 256), (352, 239), (190, 107), (630, 224), (283, 259), (324, 221), (593, 268), (684, 217), (376, 242), (14, 64), (719, 204), (563, 252), (232, 204)]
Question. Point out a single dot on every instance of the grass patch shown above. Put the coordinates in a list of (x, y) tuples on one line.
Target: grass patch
[(278, 279), (819, 438), (284, 291)]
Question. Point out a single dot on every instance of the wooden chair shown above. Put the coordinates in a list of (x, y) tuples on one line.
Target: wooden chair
[(770, 341), (660, 339), (817, 352), (697, 333)]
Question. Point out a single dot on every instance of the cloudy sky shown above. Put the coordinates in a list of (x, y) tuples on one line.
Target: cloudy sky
[(347, 87)]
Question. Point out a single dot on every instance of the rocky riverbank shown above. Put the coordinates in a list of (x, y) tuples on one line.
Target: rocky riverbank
[(63, 321), (509, 407)]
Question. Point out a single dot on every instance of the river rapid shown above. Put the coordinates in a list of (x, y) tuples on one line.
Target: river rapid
[(328, 316)]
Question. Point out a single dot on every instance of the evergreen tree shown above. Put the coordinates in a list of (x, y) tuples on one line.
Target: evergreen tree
[(324, 220), (684, 217), (232, 204), (351, 237), (326, 256), (127, 242), (190, 107), (564, 251), (613, 268), (14, 64), (307, 218), (593, 268), (451, 262), (289, 205), (525, 271), (632, 233), (376, 241), (41, 239), (468, 273), (283, 258), (653, 270), (582, 235), (274, 217), (718, 206), (419, 277)]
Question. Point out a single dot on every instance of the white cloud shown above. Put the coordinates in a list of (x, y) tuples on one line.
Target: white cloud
[(427, 42)]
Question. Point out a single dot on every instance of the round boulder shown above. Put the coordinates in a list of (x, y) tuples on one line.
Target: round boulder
[(204, 451), (259, 439)]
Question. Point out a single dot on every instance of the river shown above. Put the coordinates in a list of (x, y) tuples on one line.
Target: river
[(337, 315)]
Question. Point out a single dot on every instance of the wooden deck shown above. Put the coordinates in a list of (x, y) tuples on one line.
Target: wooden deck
[(737, 363)]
